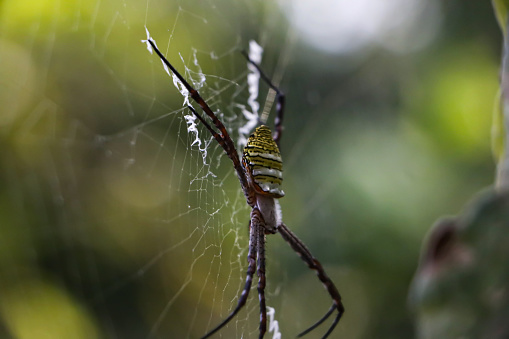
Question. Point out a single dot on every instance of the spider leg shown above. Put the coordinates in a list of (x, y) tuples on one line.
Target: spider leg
[(251, 259), (319, 322), (226, 141), (280, 97), (216, 135), (298, 246), (196, 97), (261, 280)]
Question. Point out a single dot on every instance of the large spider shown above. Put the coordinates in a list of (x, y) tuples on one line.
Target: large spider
[(260, 176)]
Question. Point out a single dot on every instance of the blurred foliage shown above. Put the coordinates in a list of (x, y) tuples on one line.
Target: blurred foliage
[(461, 287), (501, 8), (501, 115), (112, 222)]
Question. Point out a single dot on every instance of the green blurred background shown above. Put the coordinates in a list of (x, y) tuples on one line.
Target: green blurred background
[(113, 226)]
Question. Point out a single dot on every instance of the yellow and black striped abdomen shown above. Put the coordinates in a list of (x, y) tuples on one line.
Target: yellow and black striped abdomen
[(263, 159)]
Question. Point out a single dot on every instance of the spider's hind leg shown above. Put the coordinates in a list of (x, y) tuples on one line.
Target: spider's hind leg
[(280, 104), (223, 138)]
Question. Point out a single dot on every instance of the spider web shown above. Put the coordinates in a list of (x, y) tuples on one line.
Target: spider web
[(150, 225), (124, 216)]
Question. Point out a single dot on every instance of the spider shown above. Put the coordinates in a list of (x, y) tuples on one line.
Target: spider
[(260, 176)]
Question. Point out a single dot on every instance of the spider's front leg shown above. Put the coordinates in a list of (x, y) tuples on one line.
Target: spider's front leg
[(258, 225), (298, 246), (251, 259), (256, 250)]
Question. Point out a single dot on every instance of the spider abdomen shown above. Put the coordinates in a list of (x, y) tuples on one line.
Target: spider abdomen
[(263, 159)]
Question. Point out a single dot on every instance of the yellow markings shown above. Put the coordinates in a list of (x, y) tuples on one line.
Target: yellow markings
[(263, 160)]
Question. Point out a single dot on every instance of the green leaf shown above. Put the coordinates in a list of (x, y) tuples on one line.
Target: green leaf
[(501, 8), (498, 129)]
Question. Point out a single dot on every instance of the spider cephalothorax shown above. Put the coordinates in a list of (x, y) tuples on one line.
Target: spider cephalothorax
[(260, 175)]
